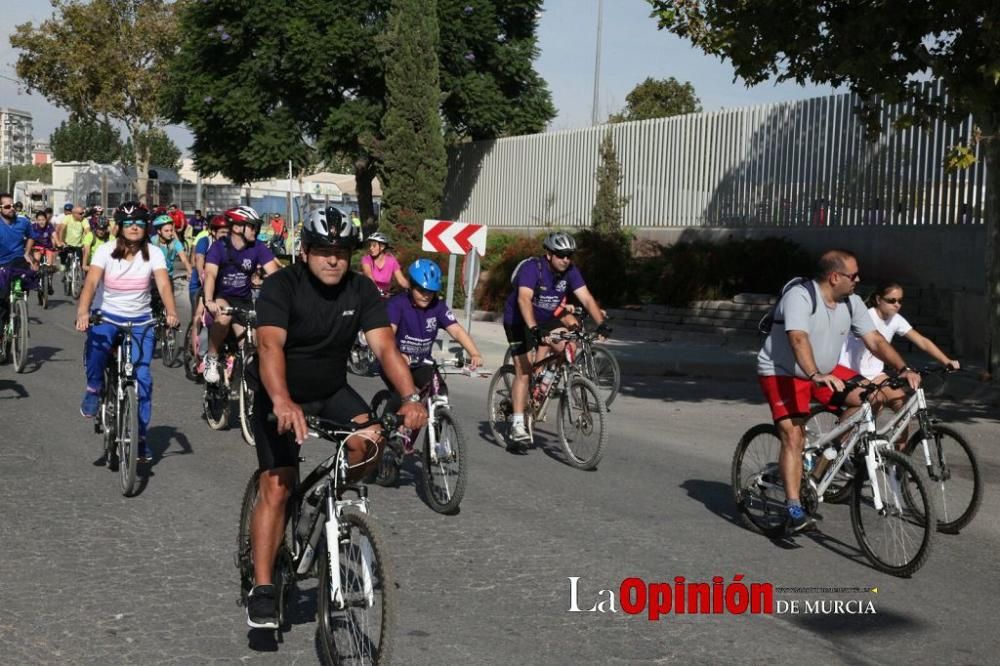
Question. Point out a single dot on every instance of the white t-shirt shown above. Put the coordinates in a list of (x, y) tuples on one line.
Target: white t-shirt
[(124, 289), (856, 356)]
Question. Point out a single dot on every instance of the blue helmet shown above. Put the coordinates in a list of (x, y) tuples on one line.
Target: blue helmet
[(425, 274)]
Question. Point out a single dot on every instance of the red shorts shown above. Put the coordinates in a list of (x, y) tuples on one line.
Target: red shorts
[(789, 397)]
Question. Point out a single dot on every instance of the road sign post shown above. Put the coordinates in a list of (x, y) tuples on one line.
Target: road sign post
[(457, 238)]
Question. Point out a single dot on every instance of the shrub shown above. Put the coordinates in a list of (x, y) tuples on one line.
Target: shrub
[(604, 260), (494, 286)]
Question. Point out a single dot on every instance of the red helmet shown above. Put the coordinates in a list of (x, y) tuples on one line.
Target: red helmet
[(243, 215), (217, 222)]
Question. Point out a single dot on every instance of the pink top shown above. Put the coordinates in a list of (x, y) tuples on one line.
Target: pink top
[(382, 276)]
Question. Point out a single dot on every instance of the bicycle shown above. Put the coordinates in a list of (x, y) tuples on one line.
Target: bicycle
[(444, 461), (44, 280), (949, 458), (14, 331), (166, 336), (356, 587), (581, 412), (118, 414), (236, 354), (73, 275), (361, 361), (891, 509)]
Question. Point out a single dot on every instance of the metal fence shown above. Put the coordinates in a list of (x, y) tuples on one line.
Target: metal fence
[(792, 164)]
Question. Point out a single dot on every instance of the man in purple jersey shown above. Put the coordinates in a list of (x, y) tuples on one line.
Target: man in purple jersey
[(229, 264), (540, 285)]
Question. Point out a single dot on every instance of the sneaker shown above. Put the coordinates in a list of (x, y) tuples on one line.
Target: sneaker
[(51, 290), (798, 520), (91, 403), (211, 373), (262, 608), (519, 438), (145, 453)]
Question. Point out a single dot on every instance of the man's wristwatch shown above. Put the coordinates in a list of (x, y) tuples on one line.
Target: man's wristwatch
[(413, 397)]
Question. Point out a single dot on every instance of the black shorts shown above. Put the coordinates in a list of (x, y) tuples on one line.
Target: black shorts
[(519, 337), (274, 450), (422, 375), (237, 302)]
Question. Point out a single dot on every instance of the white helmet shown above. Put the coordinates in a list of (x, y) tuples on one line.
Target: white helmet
[(378, 237), (559, 241), (328, 227), (242, 215)]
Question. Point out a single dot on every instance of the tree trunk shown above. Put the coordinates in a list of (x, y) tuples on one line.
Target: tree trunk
[(141, 157), (364, 174), (992, 217)]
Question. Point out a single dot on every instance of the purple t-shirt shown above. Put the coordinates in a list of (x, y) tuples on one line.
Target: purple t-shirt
[(417, 329), (549, 289), (236, 267), (42, 236)]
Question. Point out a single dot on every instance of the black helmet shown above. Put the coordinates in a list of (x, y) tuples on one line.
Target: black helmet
[(131, 210), (327, 227)]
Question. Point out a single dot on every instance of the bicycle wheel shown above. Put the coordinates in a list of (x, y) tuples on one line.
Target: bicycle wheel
[(170, 348), (953, 473), (43, 289), (358, 360), (607, 374), (758, 490), (128, 440), (360, 632), (896, 539), (216, 405), (821, 422), (19, 341), (67, 288), (500, 406), (445, 468), (581, 423), (109, 429), (189, 359), (76, 280), (244, 560), (388, 466), (246, 408)]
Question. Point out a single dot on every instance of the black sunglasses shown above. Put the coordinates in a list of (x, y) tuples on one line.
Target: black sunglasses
[(853, 277), (563, 255), (893, 301)]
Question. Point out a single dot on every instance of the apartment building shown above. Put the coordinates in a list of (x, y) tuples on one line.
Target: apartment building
[(16, 139)]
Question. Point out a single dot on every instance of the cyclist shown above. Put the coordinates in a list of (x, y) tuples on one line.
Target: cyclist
[(307, 318), (540, 286), (180, 223), (15, 250), (229, 265), (799, 361), (216, 229), (70, 234), (166, 240), (380, 266), (43, 240), (99, 234), (120, 278)]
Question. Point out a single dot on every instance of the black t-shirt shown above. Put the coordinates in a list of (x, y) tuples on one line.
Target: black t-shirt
[(322, 324)]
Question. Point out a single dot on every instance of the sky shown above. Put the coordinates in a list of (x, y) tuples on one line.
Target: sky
[(632, 49)]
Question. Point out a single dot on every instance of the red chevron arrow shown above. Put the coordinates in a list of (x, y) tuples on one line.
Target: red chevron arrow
[(462, 237), (433, 236)]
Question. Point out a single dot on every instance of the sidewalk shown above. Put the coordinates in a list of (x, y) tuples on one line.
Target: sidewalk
[(643, 353)]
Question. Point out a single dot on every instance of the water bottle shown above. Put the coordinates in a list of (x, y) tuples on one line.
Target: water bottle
[(546, 381), (808, 462)]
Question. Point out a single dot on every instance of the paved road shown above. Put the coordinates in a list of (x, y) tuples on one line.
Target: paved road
[(89, 577)]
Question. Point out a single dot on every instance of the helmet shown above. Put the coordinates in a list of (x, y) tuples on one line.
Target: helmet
[(67, 206), (99, 222), (426, 274), (242, 215), (559, 241), (162, 220), (378, 237), (130, 210), (328, 227), (218, 222), (98, 210)]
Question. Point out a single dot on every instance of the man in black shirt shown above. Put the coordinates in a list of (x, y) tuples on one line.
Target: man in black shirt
[(308, 316)]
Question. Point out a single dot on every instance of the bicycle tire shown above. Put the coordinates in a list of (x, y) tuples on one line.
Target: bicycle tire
[(169, 349), (607, 374), (19, 341), (67, 289), (914, 512), (216, 405), (358, 361), (960, 464), (387, 474), (442, 495), (345, 636), (189, 359), (582, 412), (43, 289), (246, 409), (243, 558), (758, 491), (499, 404), (820, 422), (76, 280), (128, 440)]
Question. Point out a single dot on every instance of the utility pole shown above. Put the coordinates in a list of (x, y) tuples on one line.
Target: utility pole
[(597, 63)]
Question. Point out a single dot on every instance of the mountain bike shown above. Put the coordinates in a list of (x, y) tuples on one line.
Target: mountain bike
[(236, 354), (444, 462), (892, 513), (361, 361), (948, 457), (167, 337), (334, 538), (581, 412), (118, 415), (44, 280), (14, 331)]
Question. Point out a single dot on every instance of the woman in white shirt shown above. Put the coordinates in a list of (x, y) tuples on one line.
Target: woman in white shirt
[(120, 276)]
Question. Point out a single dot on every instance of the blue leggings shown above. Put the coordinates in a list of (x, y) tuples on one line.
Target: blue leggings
[(100, 339)]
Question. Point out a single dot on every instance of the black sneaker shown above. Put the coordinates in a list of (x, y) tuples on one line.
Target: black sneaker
[(798, 520), (262, 608)]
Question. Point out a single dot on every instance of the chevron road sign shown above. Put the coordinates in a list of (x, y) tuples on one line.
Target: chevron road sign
[(454, 237)]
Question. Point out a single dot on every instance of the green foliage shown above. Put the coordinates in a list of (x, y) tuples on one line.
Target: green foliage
[(80, 139), (497, 243), (606, 216), (495, 285), (40, 172), (658, 98), (162, 151), (604, 260), (412, 152), (958, 157)]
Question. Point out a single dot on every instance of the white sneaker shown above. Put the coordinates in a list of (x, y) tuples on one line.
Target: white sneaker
[(519, 434), (211, 373)]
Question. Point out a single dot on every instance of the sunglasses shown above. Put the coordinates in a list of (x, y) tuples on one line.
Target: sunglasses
[(6, 206), (563, 255), (853, 277), (892, 301), (133, 223)]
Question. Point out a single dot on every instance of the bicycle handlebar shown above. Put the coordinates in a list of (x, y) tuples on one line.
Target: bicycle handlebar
[(98, 318), (327, 428)]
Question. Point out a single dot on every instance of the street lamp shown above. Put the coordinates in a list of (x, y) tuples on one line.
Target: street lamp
[(597, 62)]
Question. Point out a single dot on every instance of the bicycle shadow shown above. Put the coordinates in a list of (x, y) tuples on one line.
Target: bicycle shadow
[(38, 356), (159, 439), (16, 387), (717, 497)]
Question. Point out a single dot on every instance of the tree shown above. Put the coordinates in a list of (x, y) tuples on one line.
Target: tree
[(102, 59), (606, 217), (412, 152), (162, 151), (82, 139), (658, 98), (881, 51), (302, 81), (39, 172)]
